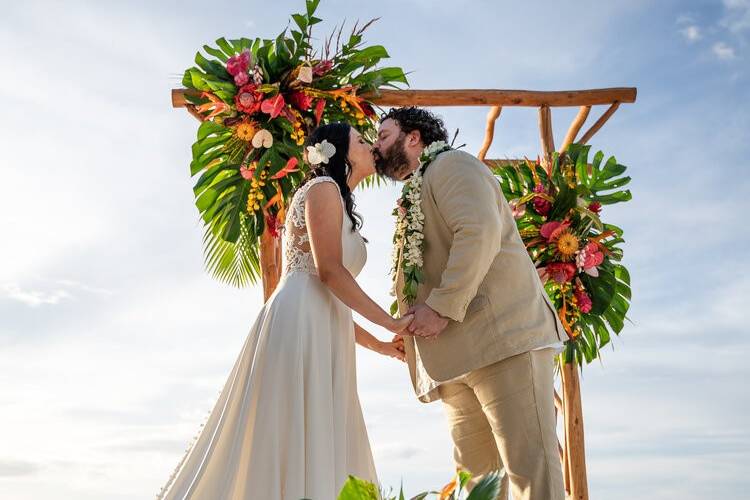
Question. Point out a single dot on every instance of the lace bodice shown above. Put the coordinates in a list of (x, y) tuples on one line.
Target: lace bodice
[(296, 241)]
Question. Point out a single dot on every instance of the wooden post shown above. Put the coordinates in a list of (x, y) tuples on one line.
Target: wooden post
[(575, 452), (489, 131), (270, 262), (545, 133)]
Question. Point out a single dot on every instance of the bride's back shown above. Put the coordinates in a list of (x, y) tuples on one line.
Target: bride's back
[(297, 252)]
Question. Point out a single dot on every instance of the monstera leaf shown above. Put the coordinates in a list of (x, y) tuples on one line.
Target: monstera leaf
[(226, 159), (570, 190)]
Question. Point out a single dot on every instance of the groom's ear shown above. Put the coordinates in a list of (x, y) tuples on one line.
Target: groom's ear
[(413, 138)]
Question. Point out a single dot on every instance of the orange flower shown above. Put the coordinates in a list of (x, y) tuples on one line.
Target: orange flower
[(567, 245), (245, 131)]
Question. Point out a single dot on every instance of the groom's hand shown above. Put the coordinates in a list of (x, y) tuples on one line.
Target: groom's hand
[(426, 323)]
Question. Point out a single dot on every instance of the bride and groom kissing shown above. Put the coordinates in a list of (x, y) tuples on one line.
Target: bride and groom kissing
[(474, 326)]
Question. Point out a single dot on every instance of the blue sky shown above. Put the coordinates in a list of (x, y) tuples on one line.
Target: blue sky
[(114, 343)]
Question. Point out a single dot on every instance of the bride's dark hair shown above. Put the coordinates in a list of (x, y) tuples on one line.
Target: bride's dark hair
[(338, 166)]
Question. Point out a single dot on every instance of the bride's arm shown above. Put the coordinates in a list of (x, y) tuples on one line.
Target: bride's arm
[(324, 217), (395, 349)]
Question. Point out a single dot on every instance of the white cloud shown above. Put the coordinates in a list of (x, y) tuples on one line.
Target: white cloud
[(723, 51), (32, 298), (691, 33)]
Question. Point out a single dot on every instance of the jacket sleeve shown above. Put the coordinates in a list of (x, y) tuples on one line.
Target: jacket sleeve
[(465, 194)]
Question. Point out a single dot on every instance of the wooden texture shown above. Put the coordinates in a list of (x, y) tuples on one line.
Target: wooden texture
[(482, 97), (575, 127), (575, 450), (489, 131), (270, 262), (545, 133), (599, 123)]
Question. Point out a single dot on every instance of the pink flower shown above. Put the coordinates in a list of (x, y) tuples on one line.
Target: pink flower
[(551, 230), (517, 210), (248, 98), (239, 63), (241, 79), (589, 258), (561, 272), (541, 205), (272, 222), (584, 301), (247, 173), (595, 207), (322, 67)]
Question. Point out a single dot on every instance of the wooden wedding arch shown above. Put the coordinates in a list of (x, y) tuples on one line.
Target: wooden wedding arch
[(572, 449)]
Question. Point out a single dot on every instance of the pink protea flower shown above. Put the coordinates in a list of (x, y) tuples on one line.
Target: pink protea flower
[(541, 205), (241, 79), (322, 67), (583, 300), (248, 99), (561, 272), (239, 63)]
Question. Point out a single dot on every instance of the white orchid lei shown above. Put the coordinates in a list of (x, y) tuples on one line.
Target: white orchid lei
[(408, 239)]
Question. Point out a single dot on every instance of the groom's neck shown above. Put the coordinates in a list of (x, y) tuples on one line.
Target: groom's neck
[(413, 157)]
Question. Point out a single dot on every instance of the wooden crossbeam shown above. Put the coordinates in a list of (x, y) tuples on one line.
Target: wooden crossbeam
[(482, 97)]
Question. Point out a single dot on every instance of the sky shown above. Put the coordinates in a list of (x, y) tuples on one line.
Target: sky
[(114, 342)]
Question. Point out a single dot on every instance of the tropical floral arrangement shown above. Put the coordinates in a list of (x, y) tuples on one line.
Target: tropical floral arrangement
[(558, 210), (258, 100), (486, 489)]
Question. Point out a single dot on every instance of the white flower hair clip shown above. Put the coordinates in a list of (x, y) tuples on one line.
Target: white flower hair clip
[(320, 153)]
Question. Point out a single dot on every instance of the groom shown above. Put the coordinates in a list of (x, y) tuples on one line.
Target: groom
[(484, 333)]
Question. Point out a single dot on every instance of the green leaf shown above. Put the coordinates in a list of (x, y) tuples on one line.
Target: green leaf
[(226, 47), (487, 488), (301, 21), (358, 489)]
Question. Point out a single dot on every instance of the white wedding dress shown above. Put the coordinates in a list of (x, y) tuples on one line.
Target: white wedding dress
[(288, 423)]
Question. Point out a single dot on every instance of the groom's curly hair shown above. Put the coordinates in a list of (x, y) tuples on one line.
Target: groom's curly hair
[(431, 128)]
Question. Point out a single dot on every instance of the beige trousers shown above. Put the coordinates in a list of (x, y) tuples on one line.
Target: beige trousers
[(502, 416)]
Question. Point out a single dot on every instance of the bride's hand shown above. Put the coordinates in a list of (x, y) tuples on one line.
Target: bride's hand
[(394, 349), (398, 325)]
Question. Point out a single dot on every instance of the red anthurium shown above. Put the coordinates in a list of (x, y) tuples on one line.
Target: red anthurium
[(319, 107), (291, 166), (273, 106), (300, 100)]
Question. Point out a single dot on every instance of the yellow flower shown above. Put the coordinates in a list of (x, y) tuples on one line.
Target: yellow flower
[(245, 131), (567, 245)]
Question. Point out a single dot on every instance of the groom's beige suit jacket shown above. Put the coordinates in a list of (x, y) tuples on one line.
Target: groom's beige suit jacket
[(477, 273)]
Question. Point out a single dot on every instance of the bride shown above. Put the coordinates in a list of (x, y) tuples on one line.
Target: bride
[(288, 423)]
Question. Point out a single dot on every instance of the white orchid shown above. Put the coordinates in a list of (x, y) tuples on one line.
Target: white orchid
[(321, 152)]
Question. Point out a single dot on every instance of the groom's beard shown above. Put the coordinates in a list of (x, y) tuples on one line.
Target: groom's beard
[(393, 162)]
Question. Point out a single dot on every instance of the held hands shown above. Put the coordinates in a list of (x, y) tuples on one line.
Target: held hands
[(427, 323), (398, 325), (394, 348)]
